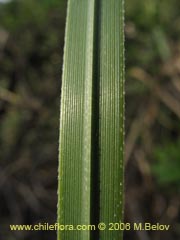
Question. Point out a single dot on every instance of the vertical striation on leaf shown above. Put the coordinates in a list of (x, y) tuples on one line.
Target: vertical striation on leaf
[(92, 119)]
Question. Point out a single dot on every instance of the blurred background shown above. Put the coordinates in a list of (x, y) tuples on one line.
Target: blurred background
[(31, 51)]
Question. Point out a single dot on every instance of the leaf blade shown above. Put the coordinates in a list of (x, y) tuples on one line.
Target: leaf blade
[(92, 119)]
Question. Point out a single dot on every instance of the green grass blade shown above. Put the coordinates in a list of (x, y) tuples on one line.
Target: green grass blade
[(111, 114), (91, 122), (75, 120)]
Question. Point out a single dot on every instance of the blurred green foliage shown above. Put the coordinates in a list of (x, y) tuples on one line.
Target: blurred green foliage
[(152, 43), (20, 14), (167, 164), (31, 50), (153, 24)]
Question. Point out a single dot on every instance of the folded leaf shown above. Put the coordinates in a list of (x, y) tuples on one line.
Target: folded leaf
[(92, 119)]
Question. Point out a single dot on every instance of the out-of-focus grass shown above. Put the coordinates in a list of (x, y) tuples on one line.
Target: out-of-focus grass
[(167, 165)]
